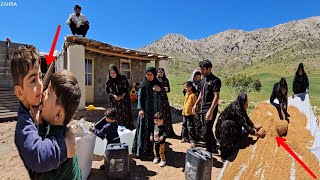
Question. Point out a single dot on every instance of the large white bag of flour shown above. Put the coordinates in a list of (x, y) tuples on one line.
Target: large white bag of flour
[(85, 142), (100, 146), (127, 136)]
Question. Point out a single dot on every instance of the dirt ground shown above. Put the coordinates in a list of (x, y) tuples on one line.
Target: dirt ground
[(11, 166)]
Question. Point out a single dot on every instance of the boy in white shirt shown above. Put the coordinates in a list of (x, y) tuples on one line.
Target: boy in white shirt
[(78, 22)]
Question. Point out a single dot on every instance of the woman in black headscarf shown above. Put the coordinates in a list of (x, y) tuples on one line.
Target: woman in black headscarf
[(231, 122), (149, 96), (280, 92), (118, 89), (166, 110), (300, 81)]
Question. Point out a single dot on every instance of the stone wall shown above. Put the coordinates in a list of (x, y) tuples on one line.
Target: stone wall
[(101, 67), (138, 69)]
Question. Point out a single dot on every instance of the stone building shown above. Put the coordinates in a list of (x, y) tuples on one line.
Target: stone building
[(89, 60)]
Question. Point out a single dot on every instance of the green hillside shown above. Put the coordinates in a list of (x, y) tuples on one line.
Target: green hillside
[(268, 70)]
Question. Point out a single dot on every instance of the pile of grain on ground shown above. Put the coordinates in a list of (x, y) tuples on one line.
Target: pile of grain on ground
[(282, 128), (264, 159)]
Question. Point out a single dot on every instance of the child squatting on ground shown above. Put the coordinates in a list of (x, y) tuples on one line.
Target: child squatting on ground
[(40, 152), (158, 137), (107, 129)]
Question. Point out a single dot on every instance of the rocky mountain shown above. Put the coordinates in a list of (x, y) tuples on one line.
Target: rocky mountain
[(236, 48)]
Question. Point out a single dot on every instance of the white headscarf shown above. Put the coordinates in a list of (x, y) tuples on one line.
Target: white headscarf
[(193, 73)]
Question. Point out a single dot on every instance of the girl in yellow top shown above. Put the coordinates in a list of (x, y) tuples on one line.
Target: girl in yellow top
[(188, 127)]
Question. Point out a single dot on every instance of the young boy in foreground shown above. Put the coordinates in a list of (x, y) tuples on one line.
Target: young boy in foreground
[(37, 154), (60, 102)]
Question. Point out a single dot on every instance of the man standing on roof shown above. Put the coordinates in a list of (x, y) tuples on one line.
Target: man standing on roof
[(78, 22)]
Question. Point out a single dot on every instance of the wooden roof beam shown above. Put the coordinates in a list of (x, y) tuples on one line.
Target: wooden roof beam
[(121, 54), (127, 51)]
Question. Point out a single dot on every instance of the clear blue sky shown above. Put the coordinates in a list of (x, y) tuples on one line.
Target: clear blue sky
[(136, 23)]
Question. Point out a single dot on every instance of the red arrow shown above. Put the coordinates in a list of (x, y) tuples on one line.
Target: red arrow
[(280, 141), (50, 58)]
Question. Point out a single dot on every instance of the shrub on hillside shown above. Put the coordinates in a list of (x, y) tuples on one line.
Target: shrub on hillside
[(243, 83)]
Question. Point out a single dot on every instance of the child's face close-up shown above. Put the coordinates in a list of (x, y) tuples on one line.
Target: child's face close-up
[(50, 110), (111, 120), (187, 88), (158, 122), (31, 93)]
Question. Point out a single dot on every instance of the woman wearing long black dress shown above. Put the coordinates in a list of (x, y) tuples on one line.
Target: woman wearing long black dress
[(149, 96), (230, 123), (280, 92), (166, 110), (300, 81), (118, 89)]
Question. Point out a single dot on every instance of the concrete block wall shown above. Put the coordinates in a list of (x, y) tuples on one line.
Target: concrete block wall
[(138, 69), (5, 64), (101, 72)]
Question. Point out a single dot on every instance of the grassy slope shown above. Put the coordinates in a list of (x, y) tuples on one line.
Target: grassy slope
[(268, 71)]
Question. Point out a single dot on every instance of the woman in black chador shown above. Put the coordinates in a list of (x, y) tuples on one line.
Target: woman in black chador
[(232, 123), (166, 110), (300, 81), (280, 92), (118, 89), (149, 96)]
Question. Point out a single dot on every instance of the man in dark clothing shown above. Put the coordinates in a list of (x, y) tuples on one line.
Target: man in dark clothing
[(300, 81), (280, 92), (208, 99), (78, 22)]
